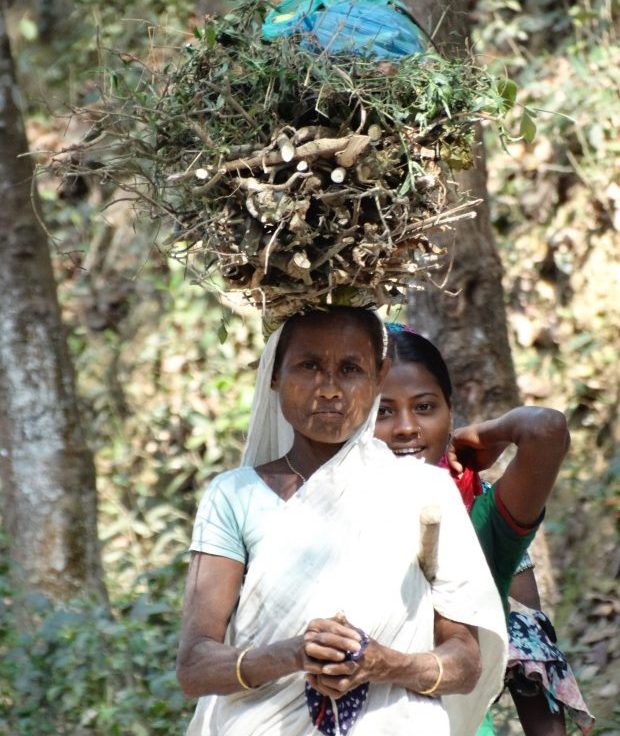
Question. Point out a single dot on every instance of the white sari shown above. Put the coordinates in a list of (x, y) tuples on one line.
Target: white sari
[(348, 541)]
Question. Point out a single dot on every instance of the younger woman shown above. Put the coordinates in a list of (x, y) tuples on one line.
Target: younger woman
[(319, 528), (415, 418)]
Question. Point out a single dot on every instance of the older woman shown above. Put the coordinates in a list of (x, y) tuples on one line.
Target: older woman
[(319, 528)]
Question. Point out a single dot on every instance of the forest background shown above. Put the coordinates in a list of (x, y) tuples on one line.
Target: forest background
[(165, 400)]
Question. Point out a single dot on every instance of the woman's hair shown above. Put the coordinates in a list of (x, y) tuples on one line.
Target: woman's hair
[(406, 346), (363, 318)]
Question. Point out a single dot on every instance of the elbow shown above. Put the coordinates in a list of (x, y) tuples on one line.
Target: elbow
[(549, 426), (555, 429), (474, 674), (472, 671), (192, 686), (185, 681)]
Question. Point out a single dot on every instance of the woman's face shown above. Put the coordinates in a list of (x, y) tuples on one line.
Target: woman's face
[(414, 417), (328, 379)]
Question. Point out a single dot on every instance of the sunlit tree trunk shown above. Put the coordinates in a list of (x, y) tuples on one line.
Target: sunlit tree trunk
[(470, 327), (47, 473)]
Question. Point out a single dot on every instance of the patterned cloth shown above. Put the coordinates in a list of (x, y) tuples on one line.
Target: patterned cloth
[(527, 563), (535, 663), (336, 717)]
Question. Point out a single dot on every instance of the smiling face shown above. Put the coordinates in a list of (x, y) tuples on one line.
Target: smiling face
[(327, 378), (414, 416)]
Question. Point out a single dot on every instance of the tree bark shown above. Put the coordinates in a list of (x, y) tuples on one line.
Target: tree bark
[(467, 320), (47, 473)]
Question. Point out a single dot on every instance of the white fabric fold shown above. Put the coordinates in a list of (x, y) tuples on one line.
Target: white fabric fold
[(270, 436)]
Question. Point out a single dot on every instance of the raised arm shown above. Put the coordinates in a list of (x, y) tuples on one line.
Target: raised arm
[(541, 438), (206, 665)]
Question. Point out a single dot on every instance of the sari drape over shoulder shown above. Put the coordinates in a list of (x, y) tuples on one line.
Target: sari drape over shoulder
[(348, 541)]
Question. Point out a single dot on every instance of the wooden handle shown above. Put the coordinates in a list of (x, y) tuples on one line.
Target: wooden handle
[(430, 517)]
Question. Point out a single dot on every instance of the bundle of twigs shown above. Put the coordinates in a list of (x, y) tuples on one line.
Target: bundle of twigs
[(301, 177)]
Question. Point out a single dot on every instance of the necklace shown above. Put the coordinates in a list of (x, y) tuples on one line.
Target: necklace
[(292, 469)]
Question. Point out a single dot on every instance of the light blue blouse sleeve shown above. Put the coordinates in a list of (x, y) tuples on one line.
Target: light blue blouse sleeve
[(217, 528)]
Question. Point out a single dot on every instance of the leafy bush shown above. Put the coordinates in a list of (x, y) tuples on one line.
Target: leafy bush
[(555, 205), (82, 669)]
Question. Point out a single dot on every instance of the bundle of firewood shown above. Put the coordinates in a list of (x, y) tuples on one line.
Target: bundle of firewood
[(300, 177)]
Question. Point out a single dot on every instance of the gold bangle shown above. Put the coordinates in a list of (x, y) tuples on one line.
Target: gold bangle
[(431, 690), (240, 679)]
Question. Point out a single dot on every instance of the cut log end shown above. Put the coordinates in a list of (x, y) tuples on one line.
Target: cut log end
[(430, 514), (338, 175), (287, 149)]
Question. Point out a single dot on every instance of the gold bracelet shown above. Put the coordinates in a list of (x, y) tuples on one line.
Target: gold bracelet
[(431, 690), (240, 679)]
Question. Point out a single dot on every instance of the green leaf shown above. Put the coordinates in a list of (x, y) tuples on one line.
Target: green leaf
[(405, 186), (222, 333), (508, 90), (28, 29), (211, 37), (527, 128)]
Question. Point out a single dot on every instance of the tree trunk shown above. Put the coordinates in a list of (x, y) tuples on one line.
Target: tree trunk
[(467, 320), (470, 327), (47, 473)]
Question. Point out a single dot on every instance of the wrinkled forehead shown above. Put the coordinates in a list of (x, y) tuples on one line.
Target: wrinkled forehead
[(328, 334), (332, 329)]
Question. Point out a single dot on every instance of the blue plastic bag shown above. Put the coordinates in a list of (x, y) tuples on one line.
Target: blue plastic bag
[(372, 28)]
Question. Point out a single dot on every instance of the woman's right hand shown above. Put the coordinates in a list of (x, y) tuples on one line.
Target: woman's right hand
[(327, 640)]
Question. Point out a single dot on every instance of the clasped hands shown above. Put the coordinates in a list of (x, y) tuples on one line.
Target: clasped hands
[(326, 642)]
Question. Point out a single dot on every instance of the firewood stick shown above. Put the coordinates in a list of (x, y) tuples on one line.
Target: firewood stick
[(430, 517), (312, 132), (324, 147), (250, 184)]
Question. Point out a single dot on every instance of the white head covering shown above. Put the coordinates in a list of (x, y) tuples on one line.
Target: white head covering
[(270, 436)]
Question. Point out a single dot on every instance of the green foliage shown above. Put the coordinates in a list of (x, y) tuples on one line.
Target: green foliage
[(527, 127), (68, 39), (556, 207), (83, 669), (166, 410), (165, 402)]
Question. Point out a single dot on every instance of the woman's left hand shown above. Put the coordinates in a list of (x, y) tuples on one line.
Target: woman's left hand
[(327, 640), (338, 678)]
